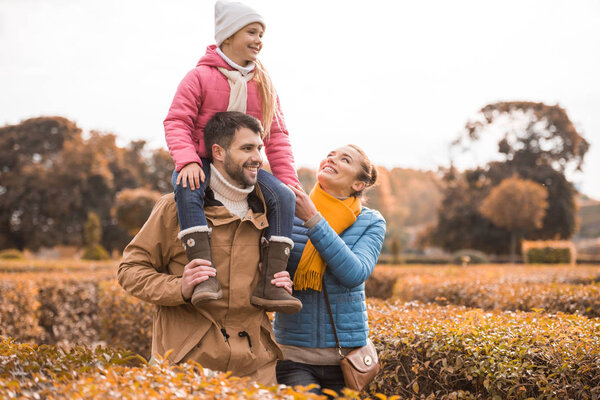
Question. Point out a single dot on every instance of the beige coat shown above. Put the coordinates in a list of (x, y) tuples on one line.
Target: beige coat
[(151, 270)]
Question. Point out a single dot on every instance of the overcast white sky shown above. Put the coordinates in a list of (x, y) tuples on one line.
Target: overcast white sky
[(398, 78)]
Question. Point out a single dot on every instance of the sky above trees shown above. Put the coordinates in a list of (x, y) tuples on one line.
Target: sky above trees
[(400, 79)]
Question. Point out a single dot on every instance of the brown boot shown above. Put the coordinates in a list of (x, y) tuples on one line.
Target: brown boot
[(197, 245), (268, 296)]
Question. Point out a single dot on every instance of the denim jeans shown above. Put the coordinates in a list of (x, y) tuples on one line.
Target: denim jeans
[(280, 201), (293, 373)]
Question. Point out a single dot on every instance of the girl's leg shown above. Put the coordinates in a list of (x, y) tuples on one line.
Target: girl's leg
[(281, 204), (194, 233)]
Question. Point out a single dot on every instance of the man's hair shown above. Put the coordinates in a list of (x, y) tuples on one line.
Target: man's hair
[(222, 127)]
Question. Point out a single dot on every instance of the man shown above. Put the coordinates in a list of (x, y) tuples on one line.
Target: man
[(227, 334)]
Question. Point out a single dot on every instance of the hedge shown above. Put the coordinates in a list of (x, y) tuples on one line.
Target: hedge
[(549, 255), (70, 265), (550, 297), (70, 308), (455, 352), (426, 351), (48, 371), (524, 288)]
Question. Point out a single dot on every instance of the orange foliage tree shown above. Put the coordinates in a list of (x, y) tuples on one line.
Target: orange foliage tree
[(52, 176), (517, 205)]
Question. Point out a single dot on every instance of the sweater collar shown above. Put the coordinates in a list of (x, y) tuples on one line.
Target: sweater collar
[(243, 70), (220, 185)]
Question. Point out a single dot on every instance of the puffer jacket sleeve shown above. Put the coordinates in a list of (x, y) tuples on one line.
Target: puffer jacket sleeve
[(142, 272), (279, 151), (180, 122), (351, 266)]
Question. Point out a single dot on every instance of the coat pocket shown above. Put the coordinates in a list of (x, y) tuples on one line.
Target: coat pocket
[(349, 311)]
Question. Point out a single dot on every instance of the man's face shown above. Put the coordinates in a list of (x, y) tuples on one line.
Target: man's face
[(243, 159)]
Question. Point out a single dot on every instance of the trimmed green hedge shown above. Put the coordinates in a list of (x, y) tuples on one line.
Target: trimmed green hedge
[(549, 255)]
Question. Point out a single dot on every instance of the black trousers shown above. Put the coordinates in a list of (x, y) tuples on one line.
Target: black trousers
[(293, 373)]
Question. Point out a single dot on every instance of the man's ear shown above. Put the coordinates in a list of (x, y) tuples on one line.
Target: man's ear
[(357, 186), (218, 153)]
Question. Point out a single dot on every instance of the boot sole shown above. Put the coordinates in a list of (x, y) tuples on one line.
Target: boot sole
[(206, 296), (284, 306)]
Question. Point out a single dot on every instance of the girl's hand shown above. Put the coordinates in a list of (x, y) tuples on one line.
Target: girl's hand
[(282, 279), (305, 208), (191, 173)]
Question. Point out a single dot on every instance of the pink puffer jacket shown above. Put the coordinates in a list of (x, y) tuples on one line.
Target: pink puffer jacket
[(201, 94)]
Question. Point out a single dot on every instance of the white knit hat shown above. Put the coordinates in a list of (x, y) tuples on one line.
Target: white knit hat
[(232, 16)]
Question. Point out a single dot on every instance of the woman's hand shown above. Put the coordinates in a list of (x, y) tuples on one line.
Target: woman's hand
[(305, 209), (196, 271), (191, 173), (282, 279)]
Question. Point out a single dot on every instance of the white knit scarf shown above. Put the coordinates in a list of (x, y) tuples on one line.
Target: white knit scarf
[(237, 79)]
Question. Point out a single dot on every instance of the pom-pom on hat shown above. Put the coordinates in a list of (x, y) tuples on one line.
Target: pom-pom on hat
[(231, 16)]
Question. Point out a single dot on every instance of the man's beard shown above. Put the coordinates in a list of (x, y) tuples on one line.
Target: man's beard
[(236, 171)]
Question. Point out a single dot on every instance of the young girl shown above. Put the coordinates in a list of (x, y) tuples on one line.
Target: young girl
[(229, 77)]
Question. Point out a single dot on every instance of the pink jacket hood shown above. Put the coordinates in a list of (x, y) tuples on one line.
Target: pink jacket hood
[(212, 59)]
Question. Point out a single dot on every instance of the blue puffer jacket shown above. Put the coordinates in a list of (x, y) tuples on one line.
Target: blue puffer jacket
[(350, 257)]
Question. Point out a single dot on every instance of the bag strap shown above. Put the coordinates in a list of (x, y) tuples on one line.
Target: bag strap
[(337, 341)]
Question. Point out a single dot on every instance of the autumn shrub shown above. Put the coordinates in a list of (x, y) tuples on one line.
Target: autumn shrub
[(28, 370), (69, 311), (48, 371), (426, 351), (526, 288), (380, 284), (549, 255), (95, 252), (126, 322), (51, 308), (455, 352), (20, 310), (68, 265), (11, 254)]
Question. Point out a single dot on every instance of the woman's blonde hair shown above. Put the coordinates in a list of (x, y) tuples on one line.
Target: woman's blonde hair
[(270, 109), (368, 171)]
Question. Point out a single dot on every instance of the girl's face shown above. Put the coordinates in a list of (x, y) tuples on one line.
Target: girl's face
[(243, 47), (338, 172)]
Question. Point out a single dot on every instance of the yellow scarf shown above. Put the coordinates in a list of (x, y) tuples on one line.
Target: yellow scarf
[(340, 214)]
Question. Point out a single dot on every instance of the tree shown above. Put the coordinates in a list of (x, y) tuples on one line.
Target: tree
[(459, 223), (517, 205), (30, 213), (51, 177), (538, 142), (133, 207), (532, 134)]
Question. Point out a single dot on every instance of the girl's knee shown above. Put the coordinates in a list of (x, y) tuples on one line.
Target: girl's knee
[(285, 194)]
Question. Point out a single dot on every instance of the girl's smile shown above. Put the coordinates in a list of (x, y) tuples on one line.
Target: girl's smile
[(243, 47)]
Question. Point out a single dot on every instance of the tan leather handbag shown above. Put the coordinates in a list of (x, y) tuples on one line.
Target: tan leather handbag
[(361, 365)]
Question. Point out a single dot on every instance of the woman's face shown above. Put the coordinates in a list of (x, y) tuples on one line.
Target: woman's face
[(338, 172), (243, 47)]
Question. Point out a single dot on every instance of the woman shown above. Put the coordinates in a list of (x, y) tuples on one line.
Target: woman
[(345, 242)]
